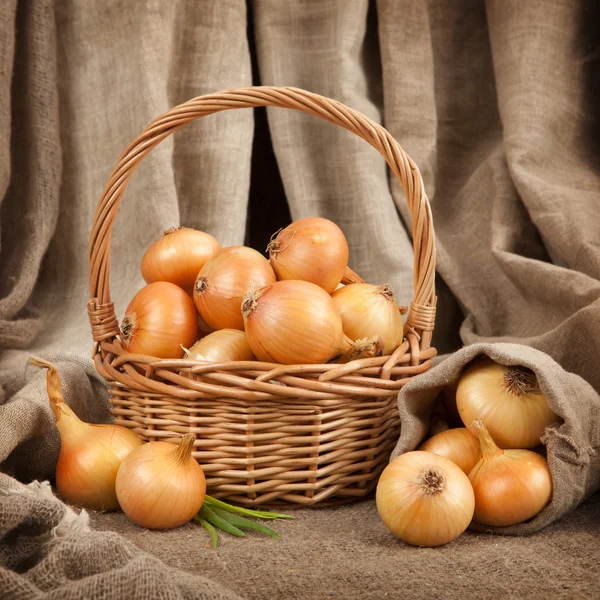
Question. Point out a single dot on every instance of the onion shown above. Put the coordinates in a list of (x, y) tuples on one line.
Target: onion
[(510, 486), (311, 249), (178, 256), (223, 282), (159, 320), (293, 322), (507, 399), (161, 486), (458, 445), (370, 310), (424, 499), (90, 455), (221, 346)]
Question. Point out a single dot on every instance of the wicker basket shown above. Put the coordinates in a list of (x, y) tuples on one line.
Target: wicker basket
[(268, 434)]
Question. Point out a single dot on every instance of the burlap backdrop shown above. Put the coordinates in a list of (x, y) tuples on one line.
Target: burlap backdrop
[(496, 102)]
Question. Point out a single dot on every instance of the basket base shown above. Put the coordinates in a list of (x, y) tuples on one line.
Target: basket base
[(273, 453)]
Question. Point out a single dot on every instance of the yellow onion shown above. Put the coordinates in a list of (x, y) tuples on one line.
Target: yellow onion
[(370, 310), (510, 486), (178, 256), (293, 322), (507, 399), (311, 249), (424, 499), (160, 485), (223, 282), (159, 320), (221, 346), (458, 445), (90, 455)]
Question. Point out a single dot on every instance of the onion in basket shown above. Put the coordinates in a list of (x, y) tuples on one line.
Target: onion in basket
[(312, 249), (223, 282), (293, 322), (159, 320), (370, 310), (221, 346), (178, 256)]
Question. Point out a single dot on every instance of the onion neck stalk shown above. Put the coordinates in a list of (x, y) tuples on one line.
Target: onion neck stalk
[(489, 448), (364, 348), (67, 421), (183, 451)]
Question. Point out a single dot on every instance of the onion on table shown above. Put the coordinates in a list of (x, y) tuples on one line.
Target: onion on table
[(90, 455), (424, 499)]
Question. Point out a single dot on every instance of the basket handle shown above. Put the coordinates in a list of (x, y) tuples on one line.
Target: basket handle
[(422, 311)]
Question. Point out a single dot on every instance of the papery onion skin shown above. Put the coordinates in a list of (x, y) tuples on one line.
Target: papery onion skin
[(370, 310), (510, 486), (159, 320), (457, 445), (178, 256), (293, 322), (223, 282), (161, 486), (424, 499), (90, 455), (221, 346), (507, 400), (87, 467), (312, 249)]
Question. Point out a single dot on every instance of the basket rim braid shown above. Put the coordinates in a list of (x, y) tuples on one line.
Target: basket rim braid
[(268, 434)]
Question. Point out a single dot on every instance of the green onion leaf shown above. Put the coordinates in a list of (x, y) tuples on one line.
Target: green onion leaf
[(210, 529), (242, 523), (259, 514), (218, 521)]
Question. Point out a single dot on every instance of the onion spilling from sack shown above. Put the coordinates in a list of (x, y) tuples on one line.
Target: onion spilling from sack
[(504, 413)]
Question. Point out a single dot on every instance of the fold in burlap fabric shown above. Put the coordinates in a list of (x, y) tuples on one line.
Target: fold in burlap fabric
[(495, 101), (572, 447), (50, 552)]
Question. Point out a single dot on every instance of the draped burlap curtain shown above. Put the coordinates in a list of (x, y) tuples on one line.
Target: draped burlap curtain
[(497, 102), (494, 101)]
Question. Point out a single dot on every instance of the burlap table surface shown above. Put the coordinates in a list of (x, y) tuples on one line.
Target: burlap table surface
[(497, 104)]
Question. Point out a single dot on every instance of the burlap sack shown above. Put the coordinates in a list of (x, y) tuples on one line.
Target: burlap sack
[(572, 447), (50, 552)]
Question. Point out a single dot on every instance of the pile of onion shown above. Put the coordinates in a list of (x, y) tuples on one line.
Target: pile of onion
[(504, 413), (304, 305)]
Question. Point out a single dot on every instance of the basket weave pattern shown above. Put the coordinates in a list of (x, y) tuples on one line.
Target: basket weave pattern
[(268, 434)]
